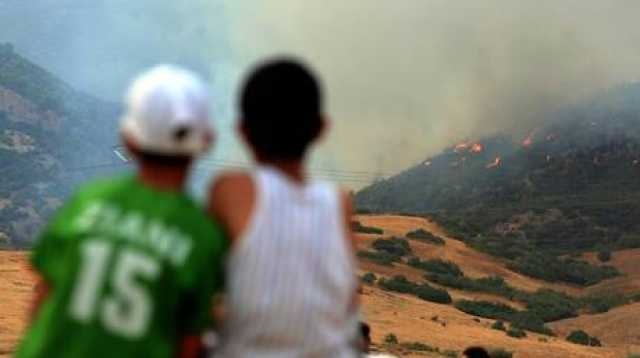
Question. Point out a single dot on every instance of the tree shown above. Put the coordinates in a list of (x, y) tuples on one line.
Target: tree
[(583, 338), (391, 339), (604, 255), (369, 278), (516, 333), (499, 325)]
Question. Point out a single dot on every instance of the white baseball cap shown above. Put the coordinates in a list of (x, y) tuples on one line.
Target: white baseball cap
[(167, 112)]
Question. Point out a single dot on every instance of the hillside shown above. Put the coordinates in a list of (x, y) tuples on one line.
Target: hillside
[(537, 198), (410, 318), (566, 186), (51, 138)]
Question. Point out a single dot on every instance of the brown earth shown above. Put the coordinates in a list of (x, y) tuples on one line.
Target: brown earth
[(628, 262), (409, 318), (16, 287), (620, 326)]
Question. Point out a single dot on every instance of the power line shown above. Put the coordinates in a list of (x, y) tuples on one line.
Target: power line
[(243, 165), (340, 178)]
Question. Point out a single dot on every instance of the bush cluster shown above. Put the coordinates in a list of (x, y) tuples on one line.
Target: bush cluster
[(369, 278), (358, 227), (583, 338), (436, 266), (486, 309), (491, 284), (425, 236), (550, 305), (553, 269), (381, 258), (525, 320), (499, 326), (516, 333), (394, 246), (501, 353), (390, 339), (423, 291)]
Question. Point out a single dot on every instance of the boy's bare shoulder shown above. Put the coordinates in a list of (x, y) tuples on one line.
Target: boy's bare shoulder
[(231, 201), (231, 180), (229, 185)]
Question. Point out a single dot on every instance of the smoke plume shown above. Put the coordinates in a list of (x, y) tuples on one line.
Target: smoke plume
[(403, 78)]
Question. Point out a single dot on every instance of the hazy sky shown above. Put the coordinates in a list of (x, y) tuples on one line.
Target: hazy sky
[(404, 78)]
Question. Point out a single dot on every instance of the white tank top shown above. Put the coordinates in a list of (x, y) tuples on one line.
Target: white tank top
[(291, 276)]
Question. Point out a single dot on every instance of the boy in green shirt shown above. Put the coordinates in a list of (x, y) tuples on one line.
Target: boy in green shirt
[(128, 266)]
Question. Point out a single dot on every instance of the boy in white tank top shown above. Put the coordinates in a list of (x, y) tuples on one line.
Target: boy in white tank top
[(291, 274)]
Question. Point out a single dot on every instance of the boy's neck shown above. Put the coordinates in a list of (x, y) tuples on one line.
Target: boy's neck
[(293, 169), (163, 178)]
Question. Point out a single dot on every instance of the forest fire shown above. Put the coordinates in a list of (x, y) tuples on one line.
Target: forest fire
[(529, 139), (496, 163), (477, 148), (469, 146)]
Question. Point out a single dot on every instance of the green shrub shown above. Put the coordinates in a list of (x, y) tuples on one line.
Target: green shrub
[(397, 283), (500, 353), (601, 304), (486, 309), (394, 246), (369, 278), (428, 293), (550, 305), (531, 322), (499, 325), (417, 346), (604, 255), (436, 266), (450, 353), (381, 258), (358, 227), (516, 333), (553, 269), (425, 236), (583, 338), (390, 339), (633, 355), (490, 284)]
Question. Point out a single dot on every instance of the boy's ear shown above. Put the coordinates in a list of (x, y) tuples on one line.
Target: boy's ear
[(131, 145), (242, 131), (323, 128)]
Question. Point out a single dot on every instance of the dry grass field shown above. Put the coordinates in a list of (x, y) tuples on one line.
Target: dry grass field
[(415, 320), (409, 318), (16, 286)]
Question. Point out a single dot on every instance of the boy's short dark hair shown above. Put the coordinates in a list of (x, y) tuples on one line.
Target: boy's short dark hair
[(281, 108), (476, 352)]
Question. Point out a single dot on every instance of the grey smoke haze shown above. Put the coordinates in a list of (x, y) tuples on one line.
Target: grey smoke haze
[(404, 78)]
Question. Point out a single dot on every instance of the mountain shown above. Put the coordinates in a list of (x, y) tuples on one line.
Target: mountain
[(537, 197), (52, 137)]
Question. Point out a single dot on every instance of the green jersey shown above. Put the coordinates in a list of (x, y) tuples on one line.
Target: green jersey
[(131, 270)]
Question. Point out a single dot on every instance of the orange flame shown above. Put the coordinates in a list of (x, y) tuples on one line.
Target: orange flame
[(529, 139), (496, 163), (477, 148)]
